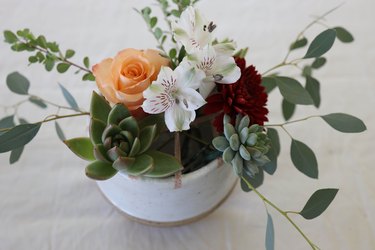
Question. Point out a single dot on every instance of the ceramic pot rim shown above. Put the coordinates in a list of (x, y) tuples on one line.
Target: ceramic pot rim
[(186, 178)]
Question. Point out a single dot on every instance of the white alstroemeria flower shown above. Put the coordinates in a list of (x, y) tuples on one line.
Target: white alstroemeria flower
[(192, 30), (174, 92), (218, 67)]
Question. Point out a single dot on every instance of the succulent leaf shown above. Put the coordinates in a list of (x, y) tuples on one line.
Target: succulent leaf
[(115, 153), (244, 123), (100, 153), (244, 153), (234, 142), (109, 131), (237, 164), (123, 163), (164, 165), (220, 143), (244, 135), (228, 155), (96, 130), (99, 107), (82, 147), (117, 114), (130, 124), (135, 147), (229, 130), (99, 170), (142, 164), (128, 136), (251, 140), (147, 136)]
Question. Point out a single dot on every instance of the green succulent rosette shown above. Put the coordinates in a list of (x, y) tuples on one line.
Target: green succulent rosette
[(118, 143), (243, 146)]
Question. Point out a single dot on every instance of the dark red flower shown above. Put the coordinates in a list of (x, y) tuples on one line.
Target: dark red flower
[(246, 96)]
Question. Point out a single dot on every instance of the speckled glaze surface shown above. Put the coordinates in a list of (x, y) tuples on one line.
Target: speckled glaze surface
[(158, 202)]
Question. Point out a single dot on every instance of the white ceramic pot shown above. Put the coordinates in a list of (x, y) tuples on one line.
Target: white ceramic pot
[(158, 202)]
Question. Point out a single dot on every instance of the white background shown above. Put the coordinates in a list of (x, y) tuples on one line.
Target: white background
[(46, 202)]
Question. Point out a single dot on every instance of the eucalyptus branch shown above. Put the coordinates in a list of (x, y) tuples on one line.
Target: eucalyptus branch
[(54, 104), (283, 213), (290, 122), (310, 25), (283, 64), (199, 140)]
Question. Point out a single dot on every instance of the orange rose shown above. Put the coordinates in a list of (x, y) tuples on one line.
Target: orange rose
[(124, 78)]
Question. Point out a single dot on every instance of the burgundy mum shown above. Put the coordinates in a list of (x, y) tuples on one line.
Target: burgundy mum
[(246, 96)]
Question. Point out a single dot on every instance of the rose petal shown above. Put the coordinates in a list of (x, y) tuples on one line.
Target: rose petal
[(104, 81)]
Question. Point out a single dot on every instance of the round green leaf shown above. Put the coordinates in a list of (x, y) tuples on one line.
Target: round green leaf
[(18, 136), (321, 44), (18, 84), (62, 67), (318, 203), (10, 37), (344, 123), (304, 159)]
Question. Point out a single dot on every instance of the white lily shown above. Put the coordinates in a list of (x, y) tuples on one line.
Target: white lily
[(218, 67), (192, 30), (174, 92)]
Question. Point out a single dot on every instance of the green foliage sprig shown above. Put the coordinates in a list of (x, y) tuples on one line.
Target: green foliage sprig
[(46, 52)]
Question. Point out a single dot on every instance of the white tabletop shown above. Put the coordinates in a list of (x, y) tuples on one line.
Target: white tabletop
[(46, 202)]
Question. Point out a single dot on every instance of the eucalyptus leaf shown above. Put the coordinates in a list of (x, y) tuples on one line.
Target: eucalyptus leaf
[(270, 234), (273, 152), (299, 44), (292, 90), (321, 44), (59, 132), (288, 109), (255, 181), (7, 122), (344, 35), (318, 63), (69, 98), (15, 155), (304, 159), (313, 87), (82, 147), (18, 84), (344, 123), (269, 83), (18, 136), (69, 53), (38, 102), (318, 203)]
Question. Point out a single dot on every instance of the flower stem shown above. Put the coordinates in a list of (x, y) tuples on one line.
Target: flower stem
[(177, 146), (283, 213)]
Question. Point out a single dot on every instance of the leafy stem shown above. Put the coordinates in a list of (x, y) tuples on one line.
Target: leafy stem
[(60, 58), (283, 213)]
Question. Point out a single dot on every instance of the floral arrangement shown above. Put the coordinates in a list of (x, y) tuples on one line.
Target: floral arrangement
[(194, 92)]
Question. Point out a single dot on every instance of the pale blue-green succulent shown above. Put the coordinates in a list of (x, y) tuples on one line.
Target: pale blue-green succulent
[(243, 146)]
